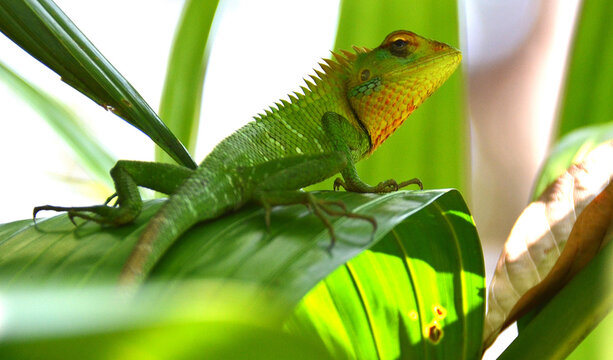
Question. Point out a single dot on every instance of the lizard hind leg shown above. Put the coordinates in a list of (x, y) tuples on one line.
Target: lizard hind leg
[(279, 182), (319, 207)]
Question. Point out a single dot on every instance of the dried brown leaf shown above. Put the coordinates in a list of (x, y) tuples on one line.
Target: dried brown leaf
[(553, 238)]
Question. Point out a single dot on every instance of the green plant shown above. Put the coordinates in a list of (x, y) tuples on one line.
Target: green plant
[(241, 283)]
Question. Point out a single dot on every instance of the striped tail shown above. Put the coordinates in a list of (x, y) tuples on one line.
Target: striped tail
[(164, 228), (194, 202)]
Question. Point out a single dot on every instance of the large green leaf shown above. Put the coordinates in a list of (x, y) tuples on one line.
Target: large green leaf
[(92, 154), (52, 323), (433, 143), (417, 294), (588, 90), (233, 246), (180, 104), (45, 32), (422, 239)]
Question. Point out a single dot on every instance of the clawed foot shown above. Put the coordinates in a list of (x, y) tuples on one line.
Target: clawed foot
[(70, 211), (319, 207), (383, 187), (322, 207), (109, 199), (101, 214)]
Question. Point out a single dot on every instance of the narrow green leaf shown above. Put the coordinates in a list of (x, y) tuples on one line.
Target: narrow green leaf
[(432, 144), (563, 323), (92, 155), (46, 33), (571, 149), (182, 95), (597, 345), (417, 294), (588, 91)]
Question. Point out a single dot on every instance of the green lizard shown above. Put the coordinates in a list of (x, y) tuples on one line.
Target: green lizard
[(345, 114)]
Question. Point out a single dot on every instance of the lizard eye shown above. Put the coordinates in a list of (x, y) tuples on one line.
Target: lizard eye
[(365, 74), (398, 47), (399, 44)]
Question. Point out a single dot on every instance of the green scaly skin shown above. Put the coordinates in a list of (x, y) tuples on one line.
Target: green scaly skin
[(343, 116)]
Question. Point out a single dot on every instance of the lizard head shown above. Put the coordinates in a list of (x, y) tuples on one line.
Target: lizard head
[(387, 83)]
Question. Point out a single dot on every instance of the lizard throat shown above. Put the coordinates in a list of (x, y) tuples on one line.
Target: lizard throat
[(383, 112), (386, 127)]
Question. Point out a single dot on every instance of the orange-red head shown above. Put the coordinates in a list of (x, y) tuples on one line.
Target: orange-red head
[(387, 83)]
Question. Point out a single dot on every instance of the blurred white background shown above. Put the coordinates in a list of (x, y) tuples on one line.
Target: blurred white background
[(514, 54), (257, 58)]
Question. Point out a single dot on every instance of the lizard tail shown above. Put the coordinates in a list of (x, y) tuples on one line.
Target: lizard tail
[(163, 229), (194, 202)]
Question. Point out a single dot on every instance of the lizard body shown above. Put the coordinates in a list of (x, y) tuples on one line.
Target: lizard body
[(344, 115)]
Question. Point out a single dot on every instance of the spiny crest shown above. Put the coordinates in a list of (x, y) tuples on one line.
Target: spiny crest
[(360, 49), (331, 68)]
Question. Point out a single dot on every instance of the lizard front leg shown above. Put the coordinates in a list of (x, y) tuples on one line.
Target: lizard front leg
[(127, 176), (341, 133)]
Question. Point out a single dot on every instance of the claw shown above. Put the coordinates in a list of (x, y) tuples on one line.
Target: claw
[(387, 186), (38, 209), (413, 181), (34, 213), (338, 183), (109, 199), (71, 217), (267, 211), (69, 211)]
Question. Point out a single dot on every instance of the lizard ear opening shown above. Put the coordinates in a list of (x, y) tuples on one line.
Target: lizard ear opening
[(364, 75)]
